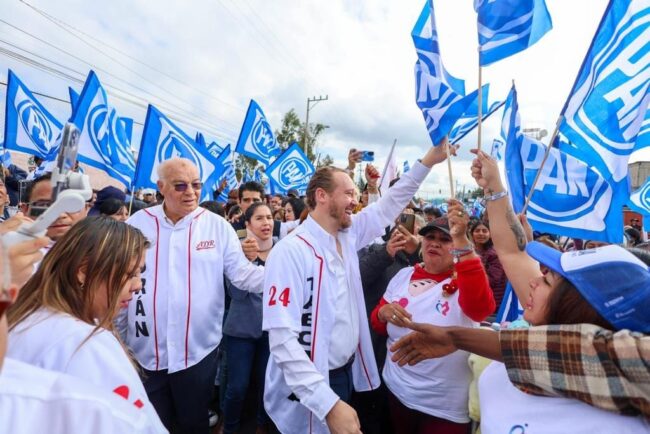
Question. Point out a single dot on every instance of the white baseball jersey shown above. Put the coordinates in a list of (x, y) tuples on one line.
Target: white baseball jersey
[(59, 342), (176, 319), (506, 409), (438, 387), (300, 296), (34, 400)]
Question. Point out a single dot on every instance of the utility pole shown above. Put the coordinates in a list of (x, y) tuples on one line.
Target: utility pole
[(306, 131)]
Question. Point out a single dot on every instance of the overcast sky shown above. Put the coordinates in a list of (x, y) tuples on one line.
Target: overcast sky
[(203, 60)]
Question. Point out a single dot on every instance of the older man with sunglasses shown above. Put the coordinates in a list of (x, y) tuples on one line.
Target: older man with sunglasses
[(174, 324)]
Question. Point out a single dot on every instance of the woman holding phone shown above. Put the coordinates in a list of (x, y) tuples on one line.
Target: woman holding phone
[(449, 287)]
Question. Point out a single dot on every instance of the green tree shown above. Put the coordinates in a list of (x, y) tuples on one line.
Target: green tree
[(293, 130)]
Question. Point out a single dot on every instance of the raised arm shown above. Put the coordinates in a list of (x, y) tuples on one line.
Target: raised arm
[(508, 235)]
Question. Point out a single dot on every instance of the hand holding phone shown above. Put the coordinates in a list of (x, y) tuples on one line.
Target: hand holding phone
[(407, 221)]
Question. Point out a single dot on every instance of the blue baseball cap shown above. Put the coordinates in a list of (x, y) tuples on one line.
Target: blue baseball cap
[(612, 280)]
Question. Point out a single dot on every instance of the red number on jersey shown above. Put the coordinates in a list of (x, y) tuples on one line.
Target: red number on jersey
[(284, 297), (272, 292)]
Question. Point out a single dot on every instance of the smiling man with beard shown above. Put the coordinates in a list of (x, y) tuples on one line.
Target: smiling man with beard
[(313, 303)]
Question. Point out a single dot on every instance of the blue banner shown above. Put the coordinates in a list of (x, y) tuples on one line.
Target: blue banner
[(439, 95), (290, 170), (256, 139), (29, 127), (570, 198), (162, 140), (104, 142), (506, 27), (227, 172), (74, 97), (609, 101)]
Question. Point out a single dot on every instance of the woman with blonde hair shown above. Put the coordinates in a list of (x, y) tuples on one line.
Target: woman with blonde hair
[(63, 317)]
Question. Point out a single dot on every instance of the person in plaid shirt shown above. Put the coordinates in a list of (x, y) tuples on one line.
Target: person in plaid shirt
[(604, 365)]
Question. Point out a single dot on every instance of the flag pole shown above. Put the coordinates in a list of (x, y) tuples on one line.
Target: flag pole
[(541, 166), (480, 98), (451, 176)]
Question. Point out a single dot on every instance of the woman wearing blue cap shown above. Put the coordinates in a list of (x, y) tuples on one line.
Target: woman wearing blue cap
[(607, 286)]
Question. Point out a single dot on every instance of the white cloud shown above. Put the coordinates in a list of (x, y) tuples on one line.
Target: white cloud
[(281, 52)]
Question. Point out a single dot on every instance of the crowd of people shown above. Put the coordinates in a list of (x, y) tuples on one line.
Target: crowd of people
[(346, 310)]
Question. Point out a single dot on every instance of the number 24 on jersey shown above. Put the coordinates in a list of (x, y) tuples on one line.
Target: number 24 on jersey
[(282, 298)]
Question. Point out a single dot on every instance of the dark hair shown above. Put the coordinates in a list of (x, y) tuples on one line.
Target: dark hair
[(298, 205), (322, 178), (213, 206), (566, 305), (248, 215), (472, 227), (432, 210), (30, 187), (251, 186), (235, 209), (111, 206)]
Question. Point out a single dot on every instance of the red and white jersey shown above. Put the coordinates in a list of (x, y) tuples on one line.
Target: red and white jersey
[(439, 387), (176, 319), (34, 400), (300, 295), (59, 342), (506, 409)]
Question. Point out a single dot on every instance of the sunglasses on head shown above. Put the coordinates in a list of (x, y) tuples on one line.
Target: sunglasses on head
[(183, 186)]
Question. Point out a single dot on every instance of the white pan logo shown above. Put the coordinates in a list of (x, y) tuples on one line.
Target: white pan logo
[(35, 124), (566, 191), (293, 172), (173, 145), (262, 136)]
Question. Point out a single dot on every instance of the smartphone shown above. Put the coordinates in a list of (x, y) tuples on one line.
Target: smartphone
[(66, 159), (242, 234), (368, 156), (408, 221)]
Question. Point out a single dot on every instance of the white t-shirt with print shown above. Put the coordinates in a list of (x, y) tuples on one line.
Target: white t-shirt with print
[(439, 387)]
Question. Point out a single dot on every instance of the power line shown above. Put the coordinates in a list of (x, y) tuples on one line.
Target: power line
[(171, 113), (62, 24), (169, 104)]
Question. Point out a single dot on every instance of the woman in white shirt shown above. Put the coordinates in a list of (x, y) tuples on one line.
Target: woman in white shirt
[(63, 317)]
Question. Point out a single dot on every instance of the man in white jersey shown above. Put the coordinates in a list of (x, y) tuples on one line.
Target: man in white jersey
[(313, 303), (174, 324)]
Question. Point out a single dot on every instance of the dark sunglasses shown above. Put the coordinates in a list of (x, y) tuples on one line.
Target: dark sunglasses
[(182, 186)]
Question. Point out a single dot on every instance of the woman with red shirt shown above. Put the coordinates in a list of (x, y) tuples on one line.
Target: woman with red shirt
[(450, 287)]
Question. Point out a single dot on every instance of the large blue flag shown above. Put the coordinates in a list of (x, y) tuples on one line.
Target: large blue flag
[(609, 101), (162, 140), (29, 127), (640, 202), (256, 139), (104, 142), (226, 171), (506, 27), (439, 95), (290, 170), (570, 198)]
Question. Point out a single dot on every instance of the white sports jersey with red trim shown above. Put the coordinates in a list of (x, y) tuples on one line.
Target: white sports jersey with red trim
[(439, 387), (59, 342), (176, 319), (34, 400), (300, 295)]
